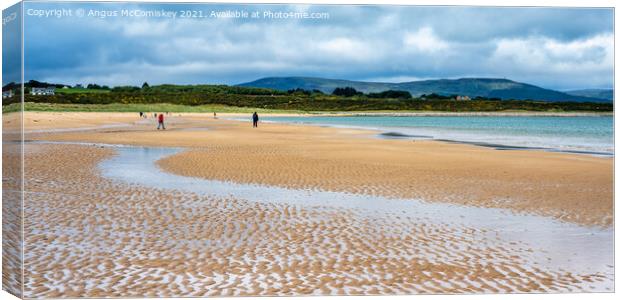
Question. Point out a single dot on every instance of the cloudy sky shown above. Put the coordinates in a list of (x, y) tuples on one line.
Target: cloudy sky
[(551, 47)]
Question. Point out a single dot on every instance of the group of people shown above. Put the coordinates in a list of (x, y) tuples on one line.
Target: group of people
[(160, 119), (161, 125), (145, 115)]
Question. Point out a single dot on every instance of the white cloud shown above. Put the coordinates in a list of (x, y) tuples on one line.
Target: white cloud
[(425, 40), (345, 48), (547, 55), (145, 28)]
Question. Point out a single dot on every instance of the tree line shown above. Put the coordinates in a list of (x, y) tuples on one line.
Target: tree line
[(341, 99), (313, 103)]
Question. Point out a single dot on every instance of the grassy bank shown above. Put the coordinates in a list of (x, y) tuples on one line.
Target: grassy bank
[(119, 107), (210, 108)]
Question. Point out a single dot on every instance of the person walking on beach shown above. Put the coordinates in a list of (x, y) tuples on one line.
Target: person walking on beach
[(160, 121), (254, 119)]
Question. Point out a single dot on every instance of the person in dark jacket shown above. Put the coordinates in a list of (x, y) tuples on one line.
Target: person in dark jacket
[(254, 119)]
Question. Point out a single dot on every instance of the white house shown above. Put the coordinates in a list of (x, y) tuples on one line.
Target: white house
[(462, 98), (48, 91), (7, 94)]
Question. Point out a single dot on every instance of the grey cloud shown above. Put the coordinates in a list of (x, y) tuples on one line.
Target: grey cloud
[(357, 42)]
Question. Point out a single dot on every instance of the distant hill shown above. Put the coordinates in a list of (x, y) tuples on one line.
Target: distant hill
[(483, 87), (315, 83), (607, 94)]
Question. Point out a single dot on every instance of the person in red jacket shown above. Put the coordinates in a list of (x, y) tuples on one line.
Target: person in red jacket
[(160, 121)]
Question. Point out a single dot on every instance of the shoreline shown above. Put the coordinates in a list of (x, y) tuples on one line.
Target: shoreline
[(453, 114), (390, 132), (377, 132)]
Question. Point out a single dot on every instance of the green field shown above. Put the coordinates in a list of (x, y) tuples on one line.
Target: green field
[(118, 107), (209, 108)]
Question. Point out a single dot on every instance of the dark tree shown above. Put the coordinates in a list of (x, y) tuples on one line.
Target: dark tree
[(391, 94), (93, 86), (346, 92), (299, 91)]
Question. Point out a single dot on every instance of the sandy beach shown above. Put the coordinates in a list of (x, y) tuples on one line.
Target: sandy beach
[(575, 188), (95, 231)]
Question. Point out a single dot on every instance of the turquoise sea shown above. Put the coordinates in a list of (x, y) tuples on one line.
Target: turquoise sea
[(587, 134)]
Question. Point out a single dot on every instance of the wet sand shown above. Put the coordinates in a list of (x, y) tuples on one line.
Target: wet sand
[(571, 187), (88, 235), (11, 220)]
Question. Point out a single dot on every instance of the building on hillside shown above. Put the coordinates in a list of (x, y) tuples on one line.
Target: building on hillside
[(462, 98), (7, 94), (46, 91)]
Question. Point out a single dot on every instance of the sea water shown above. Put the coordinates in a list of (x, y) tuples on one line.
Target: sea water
[(588, 134)]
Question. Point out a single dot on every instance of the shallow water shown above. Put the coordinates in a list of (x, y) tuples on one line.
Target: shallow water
[(575, 133), (558, 245)]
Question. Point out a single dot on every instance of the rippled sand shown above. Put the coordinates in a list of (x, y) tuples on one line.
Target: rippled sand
[(87, 236), (11, 219), (90, 236)]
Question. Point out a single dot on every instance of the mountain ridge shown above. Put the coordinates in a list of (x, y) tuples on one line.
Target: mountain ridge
[(484, 87), (607, 94)]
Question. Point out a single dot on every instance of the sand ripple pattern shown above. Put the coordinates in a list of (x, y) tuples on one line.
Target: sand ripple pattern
[(544, 185), (11, 217), (87, 236)]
